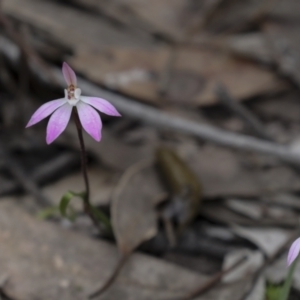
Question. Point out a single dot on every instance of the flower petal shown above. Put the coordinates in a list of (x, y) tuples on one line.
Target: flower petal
[(45, 110), (90, 120), (293, 252), (58, 122), (69, 75), (102, 105)]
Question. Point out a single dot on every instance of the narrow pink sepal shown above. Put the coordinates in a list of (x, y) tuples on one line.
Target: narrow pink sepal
[(293, 252), (58, 122), (45, 110), (102, 105), (90, 120), (69, 74)]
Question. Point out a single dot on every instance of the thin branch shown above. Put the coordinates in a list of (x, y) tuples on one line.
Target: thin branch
[(213, 281), (158, 118), (112, 278)]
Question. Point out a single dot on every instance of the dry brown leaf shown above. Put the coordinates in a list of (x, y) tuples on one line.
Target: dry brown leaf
[(285, 107), (135, 67), (137, 72), (286, 10), (268, 240), (133, 214), (285, 45), (236, 16), (224, 172), (44, 261), (218, 212), (254, 46), (41, 261), (254, 261), (171, 18), (71, 27)]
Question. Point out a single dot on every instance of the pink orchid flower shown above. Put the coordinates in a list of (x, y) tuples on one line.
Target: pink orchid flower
[(293, 252), (61, 110)]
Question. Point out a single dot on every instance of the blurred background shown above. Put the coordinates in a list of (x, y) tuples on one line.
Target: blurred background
[(201, 170)]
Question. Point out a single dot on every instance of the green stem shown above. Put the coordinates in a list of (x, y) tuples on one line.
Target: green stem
[(288, 281), (91, 211), (83, 157)]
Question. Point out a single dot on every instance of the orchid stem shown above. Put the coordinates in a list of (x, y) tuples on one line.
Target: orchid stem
[(86, 200), (288, 281), (83, 157)]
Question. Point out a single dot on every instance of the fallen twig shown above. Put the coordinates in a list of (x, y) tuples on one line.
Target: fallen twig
[(112, 278), (155, 117), (213, 281), (246, 115), (163, 120)]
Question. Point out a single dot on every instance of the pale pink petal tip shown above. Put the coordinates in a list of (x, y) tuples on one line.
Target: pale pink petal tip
[(69, 74), (293, 252), (58, 122), (90, 120), (45, 110), (102, 105)]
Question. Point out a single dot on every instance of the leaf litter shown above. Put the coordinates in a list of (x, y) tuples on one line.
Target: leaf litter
[(254, 196)]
